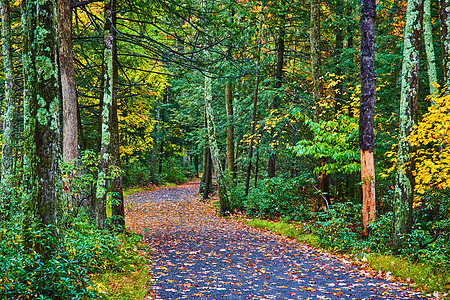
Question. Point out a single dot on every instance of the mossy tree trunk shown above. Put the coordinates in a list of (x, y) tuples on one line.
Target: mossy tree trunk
[(404, 181), (106, 118), (9, 109), (429, 47), (367, 111), (41, 204), (445, 39), (214, 149)]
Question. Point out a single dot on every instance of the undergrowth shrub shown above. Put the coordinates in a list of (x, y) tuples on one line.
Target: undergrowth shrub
[(175, 172), (336, 227), (279, 197), (27, 274)]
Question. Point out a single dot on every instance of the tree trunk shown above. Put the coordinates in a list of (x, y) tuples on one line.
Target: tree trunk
[(367, 111), (117, 207), (316, 74), (215, 157), (429, 47), (9, 109), (106, 116), (207, 175), (445, 36), (255, 103), (404, 183), (69, 92), (278, 81), (41, 199), (230, 129), (155, 148)]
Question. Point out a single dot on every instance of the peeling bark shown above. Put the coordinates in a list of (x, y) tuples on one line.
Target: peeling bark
[(367, 111)]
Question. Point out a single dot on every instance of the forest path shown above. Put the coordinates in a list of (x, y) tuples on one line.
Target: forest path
[(197, 255)]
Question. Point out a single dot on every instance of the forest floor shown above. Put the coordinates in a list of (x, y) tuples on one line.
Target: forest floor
[(197, 255)]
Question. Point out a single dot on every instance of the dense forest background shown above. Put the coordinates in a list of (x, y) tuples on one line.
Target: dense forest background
[(322, 112)]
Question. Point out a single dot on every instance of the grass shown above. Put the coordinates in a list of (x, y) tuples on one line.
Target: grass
[(124, 285), (422, 275), (286, 229), (131, 282)]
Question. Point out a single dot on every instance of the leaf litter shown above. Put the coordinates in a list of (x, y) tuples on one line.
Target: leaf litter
[(197, 255)]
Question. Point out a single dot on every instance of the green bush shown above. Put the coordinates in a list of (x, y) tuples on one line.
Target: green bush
[(279, 197), (174, 172), (27, 274), (336, 227)]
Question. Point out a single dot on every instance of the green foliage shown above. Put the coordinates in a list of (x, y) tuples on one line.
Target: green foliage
[(333, 229), (174, 172), (138, 173), (335, 140), (25, 273), (280, 197)]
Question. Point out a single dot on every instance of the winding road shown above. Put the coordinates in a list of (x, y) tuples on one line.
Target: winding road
[(197, 255)]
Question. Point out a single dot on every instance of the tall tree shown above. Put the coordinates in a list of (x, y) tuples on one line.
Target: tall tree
[(214, 149), (41, 204), (255, 102), (109, 95), (404, 180), (429, 48), (367, 111), (316, 74), (117, 208), (278, 76), (9, 107), (69, 92), (445, 36), (230, 129)]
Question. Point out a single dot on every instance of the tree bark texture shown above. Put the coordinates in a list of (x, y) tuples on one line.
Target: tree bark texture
[(278, 79), (429, 47), (255, 103), (445, 36), (69, 92), (230, 129), (404, 181), (207, 175), (106, 117), (367, 111), (215, 156), (316, 74), (117, 208), (9, 108), (42, 146)]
